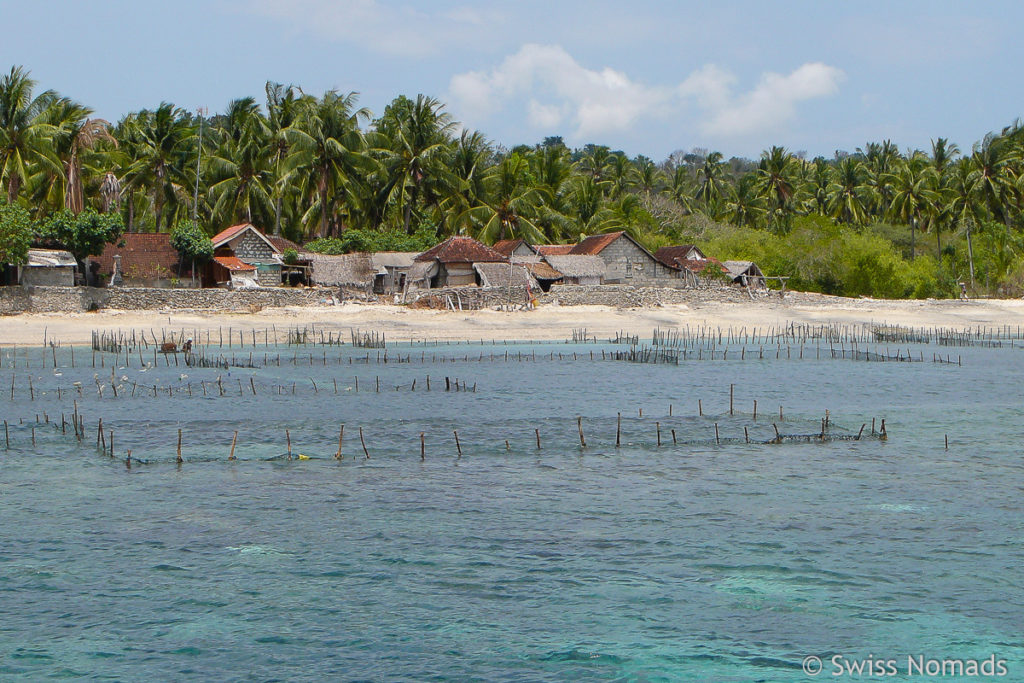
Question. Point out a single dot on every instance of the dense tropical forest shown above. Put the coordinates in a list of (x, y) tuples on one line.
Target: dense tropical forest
[(322, 171)]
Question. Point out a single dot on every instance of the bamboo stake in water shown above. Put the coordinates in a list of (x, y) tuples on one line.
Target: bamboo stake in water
[(423, 447), (365, 452), (458, 446), (288, 437), (179, 460), (579, 426), (341, 436), (618, 430)]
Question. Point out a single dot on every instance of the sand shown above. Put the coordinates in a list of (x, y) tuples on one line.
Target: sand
[(546, 322)]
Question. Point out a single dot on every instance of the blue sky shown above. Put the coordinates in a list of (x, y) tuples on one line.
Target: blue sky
[(646, 77)]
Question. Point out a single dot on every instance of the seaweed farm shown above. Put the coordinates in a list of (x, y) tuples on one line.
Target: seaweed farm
[(670, 504)]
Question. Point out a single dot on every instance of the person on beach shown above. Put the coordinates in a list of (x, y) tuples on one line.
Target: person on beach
[(963, 291)]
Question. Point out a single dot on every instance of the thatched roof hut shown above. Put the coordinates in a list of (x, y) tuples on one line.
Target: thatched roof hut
[(504, 275), (745, 273), (343, 270), (578, 269)]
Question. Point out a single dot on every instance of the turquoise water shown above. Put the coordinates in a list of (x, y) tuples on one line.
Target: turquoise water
[(697, 561)]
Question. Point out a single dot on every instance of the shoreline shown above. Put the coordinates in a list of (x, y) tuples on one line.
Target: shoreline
[(548, 322)]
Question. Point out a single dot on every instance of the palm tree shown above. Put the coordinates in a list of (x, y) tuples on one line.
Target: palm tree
[(992, 162), (647, 176), (621, 174), (595, 161), (912, 183), (161, 143), (282, 112), (681, 188), (325, 148), (943, 155), (417, 136), (510, 203), (961, 204), (775, 184), (24, 133), (241, 178), (743, 206), (848, 197), (711, 182), (74, 136)]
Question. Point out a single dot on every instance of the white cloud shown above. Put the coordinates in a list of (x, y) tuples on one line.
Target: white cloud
[(380, 27), (554, 89), (773, 101)]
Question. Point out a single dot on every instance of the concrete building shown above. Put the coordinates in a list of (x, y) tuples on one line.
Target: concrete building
[(48, 268)]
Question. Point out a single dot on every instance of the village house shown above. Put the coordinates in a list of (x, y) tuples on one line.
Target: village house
[(45, 268), (391, 271), (690, 264), (626, 260), (516, 249), (578, 269), (450, 263), (746, 273), (247, 244)]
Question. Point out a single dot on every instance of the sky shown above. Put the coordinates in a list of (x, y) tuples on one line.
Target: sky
[(645, 77)]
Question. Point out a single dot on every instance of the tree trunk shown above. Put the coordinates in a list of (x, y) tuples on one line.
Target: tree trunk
[(970, 254), (277, 216)]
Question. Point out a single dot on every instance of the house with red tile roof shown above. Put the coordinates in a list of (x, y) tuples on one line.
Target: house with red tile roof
[(515, 248), (450, 263), (626, 260), (248, 244)]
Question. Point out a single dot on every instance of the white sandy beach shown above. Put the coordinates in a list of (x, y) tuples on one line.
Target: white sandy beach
[(546, 322)]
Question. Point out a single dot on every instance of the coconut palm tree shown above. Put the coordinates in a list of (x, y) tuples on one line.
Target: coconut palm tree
[(74, 136), (992, 162), (240, 173), (743, 206), (712, 180), (282, 112), (161, 143), (775, 185), (510, 203), (912, 183), (944, 153), (326, 149), (416, 136), (24, 132), (848, 197)]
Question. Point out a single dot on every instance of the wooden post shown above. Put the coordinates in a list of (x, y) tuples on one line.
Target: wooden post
[(7, 436), (252, 385), (234, 439), (365, 452), (755, 410), (670, 410), (458, 445), (341, 435), (111, 443), (947, 442), (423, 447), (717, 441), (288, 437), (882, 432), (507, 447), (700, 408), (746, 436), (579, 426), (778, 437), (673, 437), (732, 387), (618, 430), (861, 432), (535, 431), (179, 460), (657, 426)]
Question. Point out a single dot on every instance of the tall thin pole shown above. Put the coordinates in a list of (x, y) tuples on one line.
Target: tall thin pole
[(195, 201)]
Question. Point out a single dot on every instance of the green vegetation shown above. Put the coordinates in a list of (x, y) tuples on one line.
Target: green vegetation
[(82, 234), (876, 221), (15, 234), (189, 240)]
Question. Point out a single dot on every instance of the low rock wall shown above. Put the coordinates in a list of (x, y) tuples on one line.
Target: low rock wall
[(77, 299), (627, 296)]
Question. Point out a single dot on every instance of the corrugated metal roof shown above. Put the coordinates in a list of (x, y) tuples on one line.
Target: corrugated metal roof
[(234, 263), (460, 249), (50, 258)]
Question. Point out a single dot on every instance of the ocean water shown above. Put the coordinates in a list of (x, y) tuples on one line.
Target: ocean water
[(702, 560)]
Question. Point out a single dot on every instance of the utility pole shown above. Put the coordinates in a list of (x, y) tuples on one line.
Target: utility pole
[(201, 111)]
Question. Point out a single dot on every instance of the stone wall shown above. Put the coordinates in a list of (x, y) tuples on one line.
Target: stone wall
[(77, 299), (626, 263), (628, 296)]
